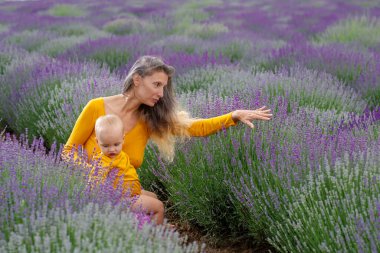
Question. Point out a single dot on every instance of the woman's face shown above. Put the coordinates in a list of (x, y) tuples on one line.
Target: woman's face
[(150, 89)]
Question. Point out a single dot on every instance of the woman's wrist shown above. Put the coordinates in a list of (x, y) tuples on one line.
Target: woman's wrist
[(234, 116)]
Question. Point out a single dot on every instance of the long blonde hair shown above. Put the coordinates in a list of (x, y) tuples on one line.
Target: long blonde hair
[(166, 122)]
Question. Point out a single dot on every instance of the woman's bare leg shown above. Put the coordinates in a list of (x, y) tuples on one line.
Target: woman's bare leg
[(150, 205), (148, 193)]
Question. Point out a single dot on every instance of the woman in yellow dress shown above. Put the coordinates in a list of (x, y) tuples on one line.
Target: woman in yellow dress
[(148, 109)]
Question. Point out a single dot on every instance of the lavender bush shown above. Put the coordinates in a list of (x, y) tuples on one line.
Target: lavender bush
[(8, 54), (29, 184), (67, 101), (78, 29), (113, 52), (69, 36), (236, 47), (194, 10), (124, 26), (183, 62), (362, 30), (47, 207), (337, 210), (60, 93), (29, 91), (285, 158), (315, 64), (281, 162), (92, 230), (30, 40), (356, 69), (191, 19), (286, 20), (179, 43), (203, 31), (306, 87), (256, 169), (18, 72), (59, 45)]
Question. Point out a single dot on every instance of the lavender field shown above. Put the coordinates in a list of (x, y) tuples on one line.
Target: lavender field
[(306, 181)]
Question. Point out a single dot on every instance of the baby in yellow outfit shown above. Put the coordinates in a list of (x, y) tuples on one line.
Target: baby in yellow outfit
[(109, 133)]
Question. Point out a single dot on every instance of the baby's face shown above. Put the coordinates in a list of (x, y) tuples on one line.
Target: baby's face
[(110, 142)]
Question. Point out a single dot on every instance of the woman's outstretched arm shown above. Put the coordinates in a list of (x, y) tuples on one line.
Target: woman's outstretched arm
[(205, 127)]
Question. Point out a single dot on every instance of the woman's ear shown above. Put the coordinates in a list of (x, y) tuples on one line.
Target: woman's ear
[(136, 79)]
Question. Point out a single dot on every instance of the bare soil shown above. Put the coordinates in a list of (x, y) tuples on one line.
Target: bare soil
[(195, 234)]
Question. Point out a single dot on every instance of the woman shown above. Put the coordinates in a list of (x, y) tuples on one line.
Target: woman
[(148, 109)]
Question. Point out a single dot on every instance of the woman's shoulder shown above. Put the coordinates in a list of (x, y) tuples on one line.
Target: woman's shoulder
[(95, 103), (113, 100)]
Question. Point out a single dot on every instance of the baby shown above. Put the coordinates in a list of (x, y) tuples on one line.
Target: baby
[(109, 131)]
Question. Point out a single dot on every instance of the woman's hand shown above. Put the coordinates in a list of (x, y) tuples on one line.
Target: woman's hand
[(247, 116)]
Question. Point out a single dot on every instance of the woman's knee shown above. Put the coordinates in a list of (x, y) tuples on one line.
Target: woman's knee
[(155, 205), (149, 193), (160, 206), (149, 204)]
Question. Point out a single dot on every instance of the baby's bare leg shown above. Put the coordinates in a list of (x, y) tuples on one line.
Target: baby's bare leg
[(151, 206), (148, 193)]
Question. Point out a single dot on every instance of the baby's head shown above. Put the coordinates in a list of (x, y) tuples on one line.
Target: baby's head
[(109, 131)]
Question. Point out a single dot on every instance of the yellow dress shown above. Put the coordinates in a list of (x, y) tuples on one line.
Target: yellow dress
[(121, 169), (83, 133), (82, 137)]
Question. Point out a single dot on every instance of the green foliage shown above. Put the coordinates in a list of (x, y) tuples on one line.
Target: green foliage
[(348, 74), (125, 26), (111, 58), (78, 30), (3, 28), (30, 40), (58, 46), (67, 10), (148, 177), (235, 50), (194, 10), (5, 60), (203, 31), (189, 17), (372, 96), (195, 183), (203, 79), (29, 108), (259, 189), (365, 3), (179, 43), (362, 30)]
